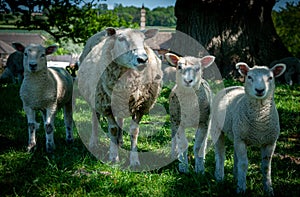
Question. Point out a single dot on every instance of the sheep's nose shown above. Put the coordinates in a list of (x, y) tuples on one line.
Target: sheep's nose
[(188, 81), (32, 66), (142, 60), (259, 91)]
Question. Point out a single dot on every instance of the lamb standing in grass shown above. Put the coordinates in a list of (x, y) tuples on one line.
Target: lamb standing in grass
[(120, 77), (248, 116), (45, 89), (190, 102)]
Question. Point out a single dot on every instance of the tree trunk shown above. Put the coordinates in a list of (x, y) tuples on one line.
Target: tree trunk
[(232, 30)]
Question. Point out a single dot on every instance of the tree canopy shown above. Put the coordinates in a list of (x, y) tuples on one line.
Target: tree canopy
[(79, 19)]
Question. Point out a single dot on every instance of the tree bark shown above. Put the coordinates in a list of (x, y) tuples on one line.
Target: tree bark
[(232, 30)]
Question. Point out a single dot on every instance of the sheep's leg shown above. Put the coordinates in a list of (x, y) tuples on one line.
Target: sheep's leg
[(200, 148), (94, 137), (240, 149), (134, 132), (68, 118), (32, 127), (182, 147), (114, 131), (220, 157), (174, 150), (266, 155), (120, 122), (49, 128)]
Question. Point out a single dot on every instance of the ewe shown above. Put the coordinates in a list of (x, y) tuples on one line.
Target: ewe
[(120, 76), (45, 89), (190, 102), (248, 116)]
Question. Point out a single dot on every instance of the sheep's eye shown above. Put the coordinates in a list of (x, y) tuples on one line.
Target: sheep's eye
[(179, 67), (270, 78), (197, 69), (121, 38), (43, 55), (249, 77), (25, 54)]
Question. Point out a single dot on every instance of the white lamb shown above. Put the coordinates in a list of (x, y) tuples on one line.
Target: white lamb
[(248, 116), (45, 89), (120, 77), (190, 102)]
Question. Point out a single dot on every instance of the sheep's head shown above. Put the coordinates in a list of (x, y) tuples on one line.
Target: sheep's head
[(259, 80), (129, 47), (35, 56), (189, 69)]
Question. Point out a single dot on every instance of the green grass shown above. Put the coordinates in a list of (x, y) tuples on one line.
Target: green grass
[(73, 171)]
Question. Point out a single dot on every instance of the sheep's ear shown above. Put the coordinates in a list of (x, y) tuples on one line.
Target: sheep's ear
[(51, 49), (149, 33), (18, 46), (172, 58), (243, 68), (206, 61), (110, 31), (278, 69)]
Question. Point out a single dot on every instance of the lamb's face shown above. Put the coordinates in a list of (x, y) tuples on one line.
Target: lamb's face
[(34, 58), (259, 82), (129, 50), (189, 71)]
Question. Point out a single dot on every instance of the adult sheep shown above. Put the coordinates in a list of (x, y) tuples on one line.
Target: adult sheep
[(14, 67), (45, 89), (292, 73), (248, 116), (120, 77), (190, 102)]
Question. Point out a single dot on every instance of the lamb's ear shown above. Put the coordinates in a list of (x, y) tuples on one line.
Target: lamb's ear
[(149, 33), (243, 68), (278, 69), (207, 60), (110, 31), (18, 46), (172, 58), (51, 49)]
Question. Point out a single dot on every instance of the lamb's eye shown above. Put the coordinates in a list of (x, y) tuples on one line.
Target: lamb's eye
[(25, 54), (121, 38), (179, 67), (197, 69), (270, 78), (250, 78), (43, 55)]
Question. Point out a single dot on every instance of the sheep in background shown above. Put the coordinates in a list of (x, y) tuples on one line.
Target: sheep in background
[(292, 73), (190, 102), (14, 67), (120, 77), (248, 116), (45, 89)]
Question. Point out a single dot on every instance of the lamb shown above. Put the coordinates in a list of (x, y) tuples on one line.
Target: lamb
[(14, 68), (292, 73), (45, 89), (248, 116), (120, 77), (190, 103)]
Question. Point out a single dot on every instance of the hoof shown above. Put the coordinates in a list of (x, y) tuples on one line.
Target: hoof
[(50, 147), (31, 148)]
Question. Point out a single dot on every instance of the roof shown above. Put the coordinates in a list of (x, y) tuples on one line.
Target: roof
[(162, 40), (6, 48), (23, 38)]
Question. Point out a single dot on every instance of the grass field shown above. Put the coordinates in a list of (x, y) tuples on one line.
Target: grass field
[(73, 171)]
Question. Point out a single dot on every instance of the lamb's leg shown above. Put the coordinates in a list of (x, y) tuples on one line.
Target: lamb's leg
[(182, 147), (68, 118), (32, 127), (200, 148), (94, 136), (134, 132), (120, 122), (266, 154), (114, 131), (240, 149), (220, 157), (49, 128)]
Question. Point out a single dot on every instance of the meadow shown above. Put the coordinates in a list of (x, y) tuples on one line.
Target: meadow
[(72, 170)]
